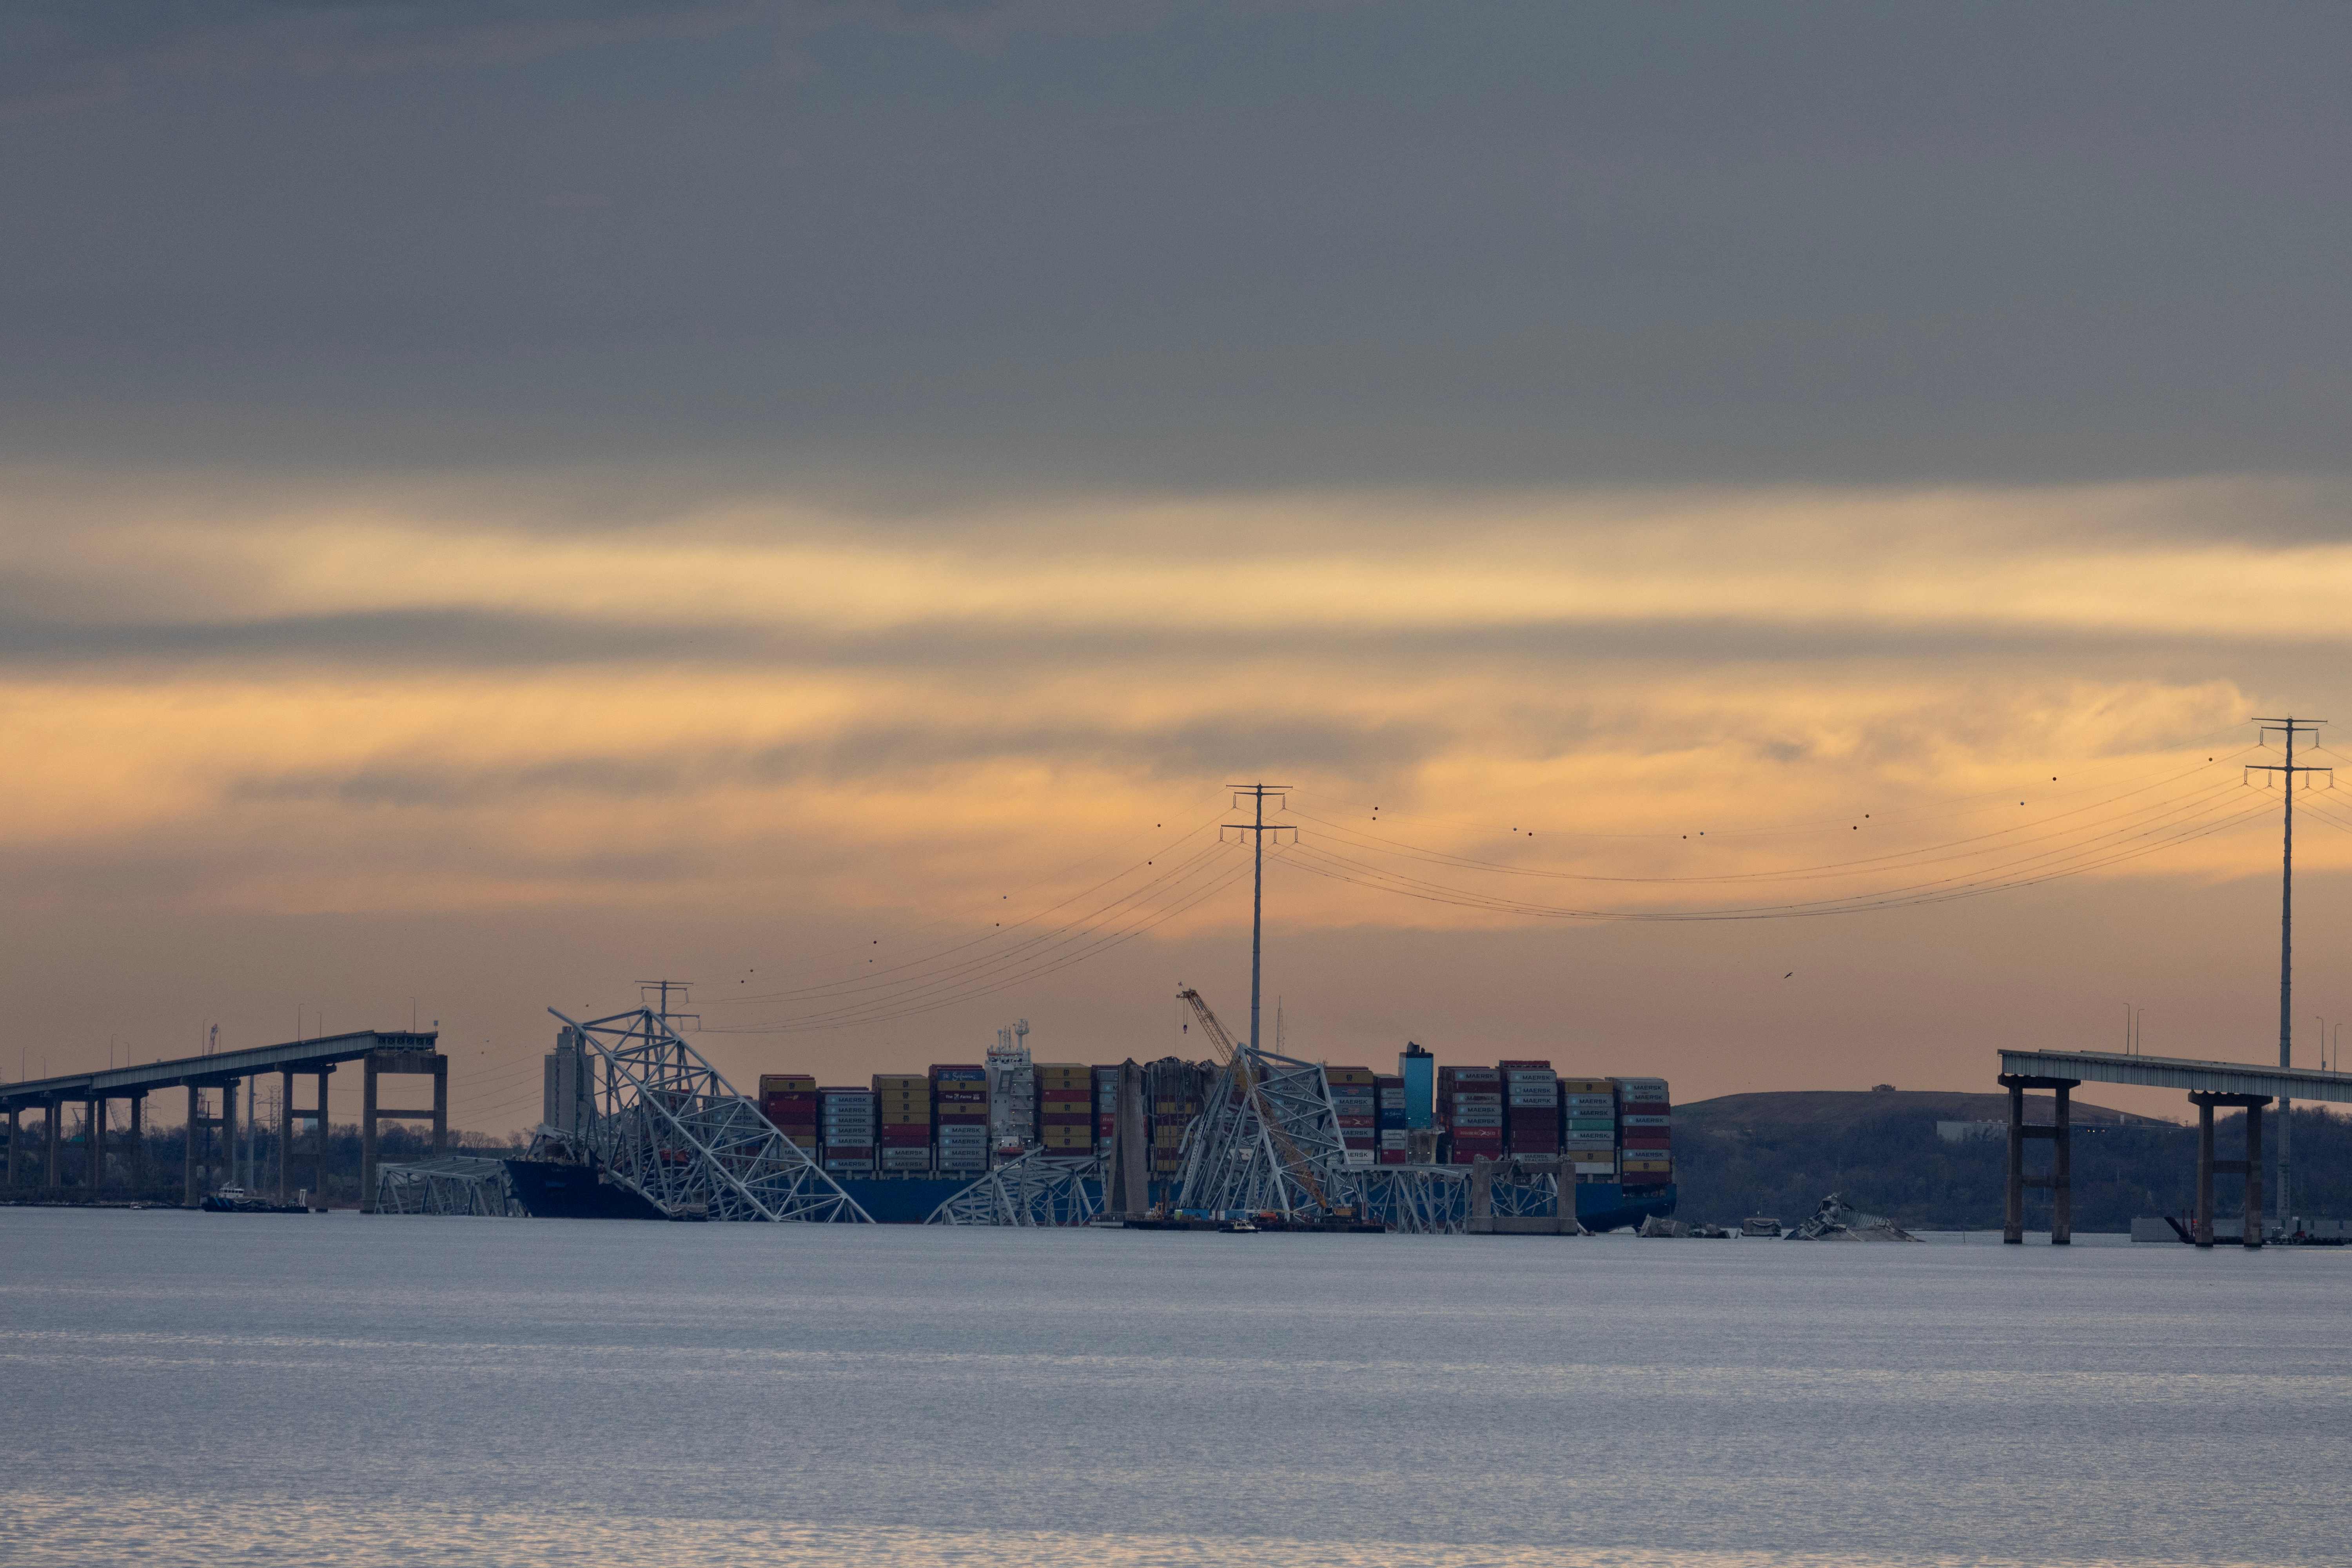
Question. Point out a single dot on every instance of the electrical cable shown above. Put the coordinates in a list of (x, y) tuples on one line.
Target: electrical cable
[(2088, 856), (1793, 874), (987, 936), (916, 984), (889, 1011), (2198, 802), (1825, 824)]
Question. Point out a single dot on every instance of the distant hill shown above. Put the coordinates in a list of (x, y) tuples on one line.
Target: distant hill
[(1781, 1154), (1788, 1108)]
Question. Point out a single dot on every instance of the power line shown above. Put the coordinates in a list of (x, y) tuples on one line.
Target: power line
[(1442, 857), (2088, 856)]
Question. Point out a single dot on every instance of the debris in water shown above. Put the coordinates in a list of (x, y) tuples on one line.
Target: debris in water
[(1835, 1221)]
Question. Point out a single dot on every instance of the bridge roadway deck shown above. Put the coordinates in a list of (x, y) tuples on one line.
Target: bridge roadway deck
[(2180, 1072), (297, 1056)]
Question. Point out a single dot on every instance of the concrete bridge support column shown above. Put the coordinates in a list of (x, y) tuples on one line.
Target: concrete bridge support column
[(96, 1123), (228, 1134), (193, 1194), (2061, 1179), (319, 1142), (55, 1145), (367, 1135), (15, 1131), (2250, 1232), (2250, 1229), (2062, 1171), (285, 1135), (139, 1142), (440, 1106)]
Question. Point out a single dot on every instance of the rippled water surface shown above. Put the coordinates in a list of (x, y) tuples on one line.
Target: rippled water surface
[(255, 1389)]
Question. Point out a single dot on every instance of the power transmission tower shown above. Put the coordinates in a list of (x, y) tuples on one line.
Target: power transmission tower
[(666, 987), (2287, 771), (1257, 828)]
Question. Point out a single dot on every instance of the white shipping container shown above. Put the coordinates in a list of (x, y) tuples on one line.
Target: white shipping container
[(1532, 1099), (1477, 1097), (1632, 1121)]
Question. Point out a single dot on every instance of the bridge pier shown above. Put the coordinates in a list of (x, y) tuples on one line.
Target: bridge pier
[(94, 1125), (53, 1126), (139, 1141), (2061, 1180), (318, 1146), (2251, 1228), (15, 1128), (190, 1196), (285, 1134), (391, 1063)]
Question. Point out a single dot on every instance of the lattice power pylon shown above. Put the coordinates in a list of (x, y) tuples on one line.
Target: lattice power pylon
[(666, 1125), (1268, 1139), (1036, 1190)]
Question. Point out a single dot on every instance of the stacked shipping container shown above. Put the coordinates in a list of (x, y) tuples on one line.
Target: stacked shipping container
[(1470, 1103), (1106, 1106), (1587, 1134), (1644, 1132), (1395, 1120), (1065, 1118), (1531, 1097), (1356, 1098), (905, 1101), (788, 1100), (847, 1123), (1171, 1090), (960, 1108)]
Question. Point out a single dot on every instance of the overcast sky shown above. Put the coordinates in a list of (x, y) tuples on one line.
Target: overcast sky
[(503, 499)]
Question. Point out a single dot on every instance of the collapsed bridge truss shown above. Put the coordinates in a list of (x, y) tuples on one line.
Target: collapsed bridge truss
[(664, 1123)]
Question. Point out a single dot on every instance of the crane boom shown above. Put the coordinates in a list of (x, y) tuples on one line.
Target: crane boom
[(1208, 1024)]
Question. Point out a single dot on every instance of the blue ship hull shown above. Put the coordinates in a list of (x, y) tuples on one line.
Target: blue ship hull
[(1606, 1205)]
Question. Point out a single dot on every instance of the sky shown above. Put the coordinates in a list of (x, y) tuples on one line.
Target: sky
[(499, 502)]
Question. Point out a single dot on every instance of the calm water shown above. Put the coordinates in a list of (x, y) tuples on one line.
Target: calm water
[(231, 1389)]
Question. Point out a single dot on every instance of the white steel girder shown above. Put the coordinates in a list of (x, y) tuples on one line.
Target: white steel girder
[(1036, 1190), (669, 1127), (1269, 1141), (455, 1184)]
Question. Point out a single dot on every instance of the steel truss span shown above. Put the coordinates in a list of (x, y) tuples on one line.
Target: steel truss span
[(1268, 1142), (457, 1184), (666, 1125), (1036, 1190)]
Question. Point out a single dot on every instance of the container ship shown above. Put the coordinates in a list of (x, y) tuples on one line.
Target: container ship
[(903, 1143)]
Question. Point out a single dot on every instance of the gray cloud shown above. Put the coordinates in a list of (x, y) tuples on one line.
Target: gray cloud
[(392, 641), (903, 752), (1210, 245)]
